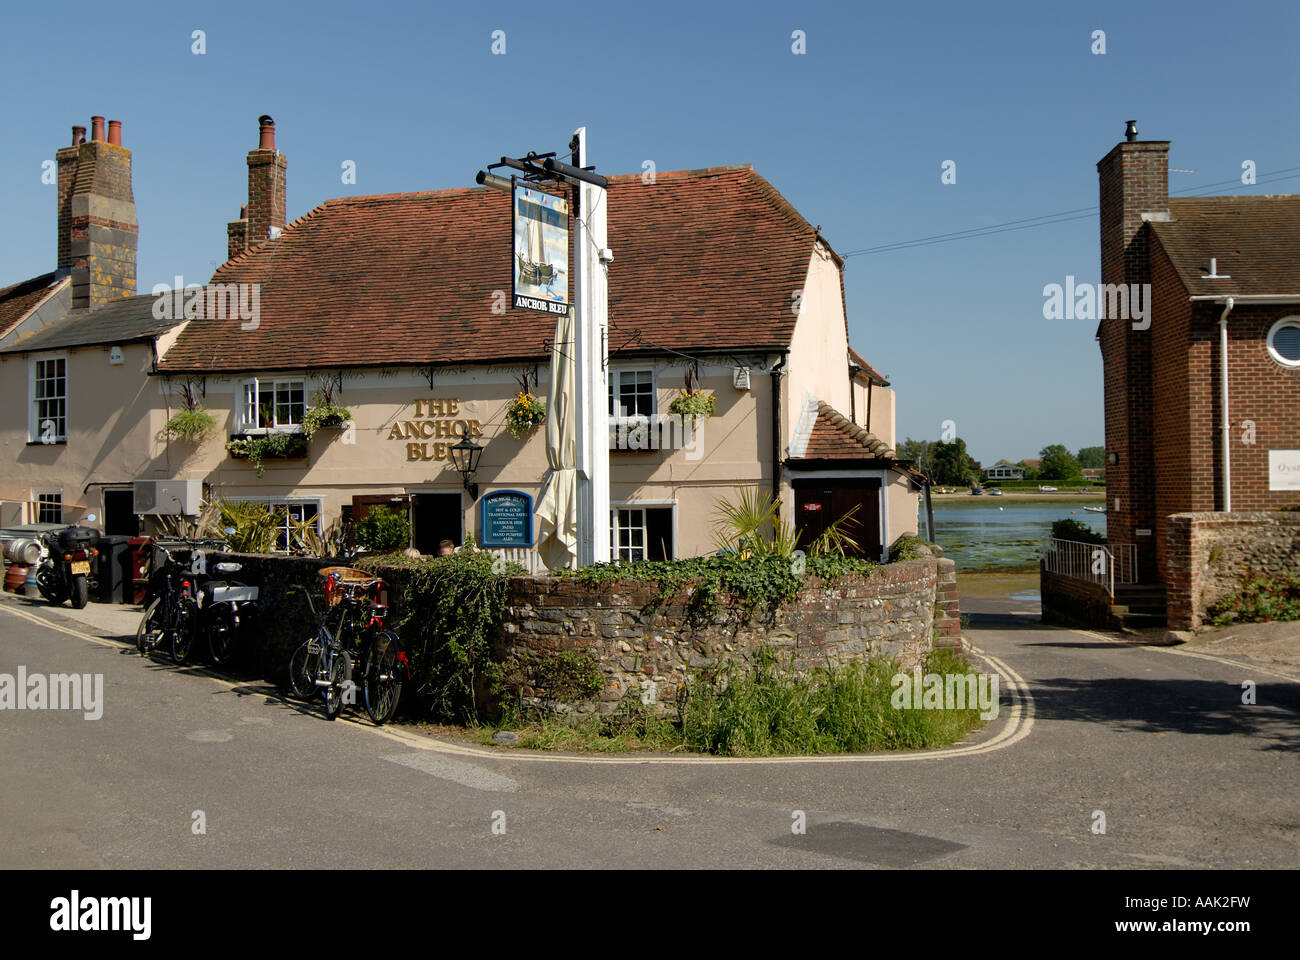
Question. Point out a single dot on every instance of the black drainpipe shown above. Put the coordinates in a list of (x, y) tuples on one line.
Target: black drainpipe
[(776, 428)]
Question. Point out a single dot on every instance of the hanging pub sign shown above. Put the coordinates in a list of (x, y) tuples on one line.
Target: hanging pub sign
[(541, 262), (506, 519)]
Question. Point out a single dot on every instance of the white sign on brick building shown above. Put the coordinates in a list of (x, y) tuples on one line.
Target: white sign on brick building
[(1284, 469)]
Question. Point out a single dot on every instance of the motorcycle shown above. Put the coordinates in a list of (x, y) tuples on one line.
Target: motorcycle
[(64, 573)]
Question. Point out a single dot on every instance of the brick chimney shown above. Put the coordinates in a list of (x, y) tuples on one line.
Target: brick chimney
[(98, 230), (67, 162), (1133, 180), (264, 213)]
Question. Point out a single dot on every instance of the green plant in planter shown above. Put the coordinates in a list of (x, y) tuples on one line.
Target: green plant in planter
[(525, 412), (192, 425), (270, 446), (693, 405), (324, 415)]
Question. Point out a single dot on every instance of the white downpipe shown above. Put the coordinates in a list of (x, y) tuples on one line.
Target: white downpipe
[(1223, 389)]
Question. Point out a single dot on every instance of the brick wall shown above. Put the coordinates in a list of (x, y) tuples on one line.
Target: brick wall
[(1074, 603), (1208, 554)]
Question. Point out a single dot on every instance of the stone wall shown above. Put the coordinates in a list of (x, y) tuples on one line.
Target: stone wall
[(896, 610), (648, 653), (1208, 554), (1069, 602)]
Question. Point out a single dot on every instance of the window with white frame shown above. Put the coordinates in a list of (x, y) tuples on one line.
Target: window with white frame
[(289, 515), (1284, 342), (632, 393), (49, 399), (49, 508), (641, 533), (270, 404)]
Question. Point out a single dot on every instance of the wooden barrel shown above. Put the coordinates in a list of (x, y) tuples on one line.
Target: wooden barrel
[(15, 577)]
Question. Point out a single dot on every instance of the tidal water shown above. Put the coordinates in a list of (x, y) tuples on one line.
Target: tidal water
[(987, 535)]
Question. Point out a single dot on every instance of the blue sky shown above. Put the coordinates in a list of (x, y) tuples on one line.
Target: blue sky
[(854, 132)]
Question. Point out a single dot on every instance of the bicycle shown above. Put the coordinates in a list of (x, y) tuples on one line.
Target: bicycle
[(173, 616), (322, 665)]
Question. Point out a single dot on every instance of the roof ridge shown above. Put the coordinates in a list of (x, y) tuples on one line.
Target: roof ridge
[(854, 430)]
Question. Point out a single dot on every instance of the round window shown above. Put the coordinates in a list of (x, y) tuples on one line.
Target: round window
[(1284, 342)]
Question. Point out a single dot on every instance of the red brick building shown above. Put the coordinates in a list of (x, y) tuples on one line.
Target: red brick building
[(1224, 272)]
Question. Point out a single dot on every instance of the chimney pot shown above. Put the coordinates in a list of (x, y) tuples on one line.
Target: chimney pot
[(1130, 130), (243, 211), (97, 129), (78, 136), (266, 133), (115, 132)]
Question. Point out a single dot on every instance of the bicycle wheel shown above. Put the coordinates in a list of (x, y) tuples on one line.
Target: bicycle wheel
[(341, 690), (383, 685), (221, 635), (150, 631), (187, 616), (303, 669)]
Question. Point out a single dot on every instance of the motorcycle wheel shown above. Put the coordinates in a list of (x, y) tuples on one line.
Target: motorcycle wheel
[(80, 593)]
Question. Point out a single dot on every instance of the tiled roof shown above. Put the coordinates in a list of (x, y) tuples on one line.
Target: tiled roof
[(835, 437), (17, 301), (856, 360), (1254, 240), (704, 259), (120, 321)]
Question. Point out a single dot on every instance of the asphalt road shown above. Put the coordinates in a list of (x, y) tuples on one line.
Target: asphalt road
[(1159, 741)]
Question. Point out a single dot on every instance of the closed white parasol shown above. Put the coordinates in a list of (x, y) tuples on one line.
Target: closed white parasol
[(557, 508)]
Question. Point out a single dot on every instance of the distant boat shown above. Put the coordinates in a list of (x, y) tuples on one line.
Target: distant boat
[(1095, 509)]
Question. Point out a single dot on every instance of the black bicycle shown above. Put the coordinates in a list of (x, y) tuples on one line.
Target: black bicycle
[(172, 614), (350, 627)]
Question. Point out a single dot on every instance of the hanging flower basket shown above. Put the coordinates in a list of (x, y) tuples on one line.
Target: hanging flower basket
[(693, 405), (324, 416), (524, 413), (192, 425)]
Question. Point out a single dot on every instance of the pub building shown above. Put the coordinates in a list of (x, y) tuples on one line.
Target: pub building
[(397, 307)]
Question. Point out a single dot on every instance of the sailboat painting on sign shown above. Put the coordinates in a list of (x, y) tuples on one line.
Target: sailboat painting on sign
[(541, 254)]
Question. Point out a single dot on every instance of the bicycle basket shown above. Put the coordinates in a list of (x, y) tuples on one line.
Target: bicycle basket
[(334, 597)]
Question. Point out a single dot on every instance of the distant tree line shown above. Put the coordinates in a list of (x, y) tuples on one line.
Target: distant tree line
[(949, 465)]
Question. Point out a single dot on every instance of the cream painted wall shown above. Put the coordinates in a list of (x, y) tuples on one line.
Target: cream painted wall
[(725, 453), (819, 362), (114, 413)]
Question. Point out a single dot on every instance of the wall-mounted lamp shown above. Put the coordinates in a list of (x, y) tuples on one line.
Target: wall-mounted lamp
[(465, 456)]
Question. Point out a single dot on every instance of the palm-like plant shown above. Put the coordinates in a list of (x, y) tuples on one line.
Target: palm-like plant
[(741, 528), (256, 526)]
